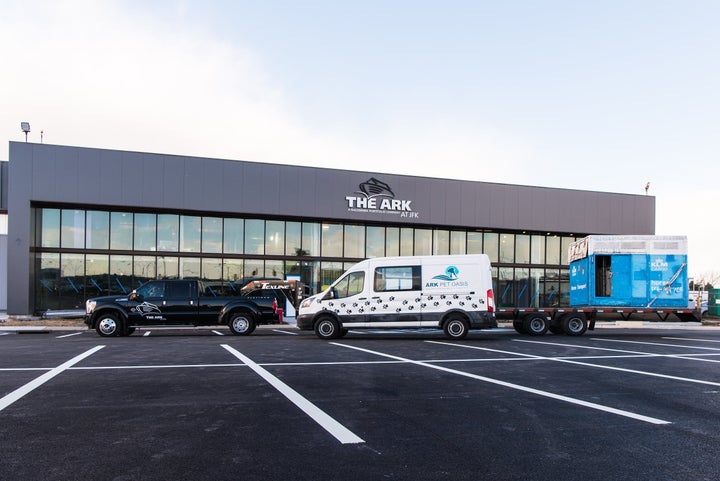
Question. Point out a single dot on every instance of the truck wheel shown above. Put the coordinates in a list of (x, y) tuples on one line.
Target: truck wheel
[(108, 325), (574, 324), (456, 328), (327, 328), (535, 324), (241, 323), (518, 326)]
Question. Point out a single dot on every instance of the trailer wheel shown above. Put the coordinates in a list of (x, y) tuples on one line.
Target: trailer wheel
[(241, 323), (456, 327), (535, 324), (108, 325), (518, 325), (574, 324)]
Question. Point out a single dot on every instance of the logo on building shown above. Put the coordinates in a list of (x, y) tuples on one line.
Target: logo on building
[(377, 196)]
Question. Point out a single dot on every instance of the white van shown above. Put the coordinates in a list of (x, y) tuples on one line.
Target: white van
[(449, 292)]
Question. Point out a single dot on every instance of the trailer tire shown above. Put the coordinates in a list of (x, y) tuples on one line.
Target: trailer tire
[(456, 327), (327, 328), (535, 324), (518, 326), (574, 324), (241, 323)]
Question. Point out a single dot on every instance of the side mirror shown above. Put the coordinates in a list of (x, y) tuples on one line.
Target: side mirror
[(134, 296)]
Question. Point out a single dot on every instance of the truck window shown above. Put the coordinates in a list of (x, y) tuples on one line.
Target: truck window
[(390, 279), (350, 285), (178, 290), (152, 289)]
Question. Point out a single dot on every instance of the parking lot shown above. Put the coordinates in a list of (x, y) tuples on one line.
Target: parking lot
[(637, 404)]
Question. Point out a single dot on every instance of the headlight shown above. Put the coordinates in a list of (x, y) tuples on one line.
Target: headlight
[(306, 303), (90, 306)]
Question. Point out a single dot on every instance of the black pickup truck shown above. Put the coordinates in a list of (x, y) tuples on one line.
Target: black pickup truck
[(179, 303)]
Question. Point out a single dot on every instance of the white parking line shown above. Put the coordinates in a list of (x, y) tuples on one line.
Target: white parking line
[(36, 383), (690, 339), (657, 344), (340, 432), (518, 387), (612, 368), (219, 333), (4, 333), (68, 335), (285, 332), (147, 334)]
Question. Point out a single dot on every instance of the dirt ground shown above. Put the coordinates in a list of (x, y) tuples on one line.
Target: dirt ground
[(11, 321)]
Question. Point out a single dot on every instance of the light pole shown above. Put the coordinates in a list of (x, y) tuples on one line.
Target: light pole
[(25, 126)]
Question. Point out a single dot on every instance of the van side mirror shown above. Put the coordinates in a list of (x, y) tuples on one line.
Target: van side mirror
[(331, 294)]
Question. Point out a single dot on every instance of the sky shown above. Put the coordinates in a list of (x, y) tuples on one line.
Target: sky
[(602, 96)]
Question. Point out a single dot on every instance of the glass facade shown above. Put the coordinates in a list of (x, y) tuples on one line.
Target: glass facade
[(80, 254)]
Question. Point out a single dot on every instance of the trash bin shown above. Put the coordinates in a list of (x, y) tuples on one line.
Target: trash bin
[(714, 302)]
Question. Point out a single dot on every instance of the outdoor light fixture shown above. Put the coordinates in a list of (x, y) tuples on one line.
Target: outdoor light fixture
[(25, 126)]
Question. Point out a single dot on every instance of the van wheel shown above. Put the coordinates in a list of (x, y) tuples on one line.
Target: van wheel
[(108, 325), (456, 328), (241, 323), (574, 324), (327, 328), (535, 325)]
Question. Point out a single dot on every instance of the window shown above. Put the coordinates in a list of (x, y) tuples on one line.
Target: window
[(121, 231), (189, 233), (375, 243), (552, 255), (392, 241), (274, 237), (423, 242), (332, 240), (212, 235), (507, 248), (537, 249), (255, 236), (49, 231), (293, 239), (233, 236), (522, 249), (405, 278), (458, 242), (491, 245), (168, 228), (178, 290), (97, 231), (354, 241), (350, 285), (72, 228), (475, 243), (145, 232), (153, 289)]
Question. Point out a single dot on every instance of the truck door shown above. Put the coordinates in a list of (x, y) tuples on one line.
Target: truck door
[(180, 302)]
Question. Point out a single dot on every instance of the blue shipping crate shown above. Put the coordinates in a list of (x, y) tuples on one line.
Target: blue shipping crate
[(633, 271)]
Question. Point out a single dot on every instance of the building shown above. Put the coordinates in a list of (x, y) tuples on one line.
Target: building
[(85, 222)]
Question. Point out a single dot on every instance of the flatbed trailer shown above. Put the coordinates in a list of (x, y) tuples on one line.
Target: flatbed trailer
[(574, 321)]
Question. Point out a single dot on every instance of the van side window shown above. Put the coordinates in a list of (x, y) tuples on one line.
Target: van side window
[(351, 285), (390, 279)]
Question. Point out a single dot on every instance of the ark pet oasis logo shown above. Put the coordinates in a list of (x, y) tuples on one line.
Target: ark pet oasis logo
[(451, 278), (377, 196)]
